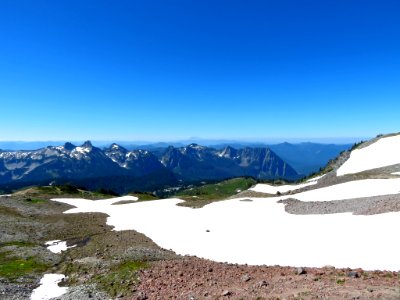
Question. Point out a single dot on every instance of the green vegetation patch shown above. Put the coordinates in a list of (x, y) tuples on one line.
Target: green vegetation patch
[(48, 189), (340, 281), (119, 279), (35, 200), (14, 267), (199, 196), (59, 189), (18, 244)]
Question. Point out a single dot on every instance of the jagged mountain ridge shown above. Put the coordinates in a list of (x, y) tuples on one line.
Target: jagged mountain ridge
[(190, 163), (68, 161), (199, 162)]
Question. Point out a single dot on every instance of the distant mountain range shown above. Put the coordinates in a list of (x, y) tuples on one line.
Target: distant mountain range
[(123, 170), (305, 158)]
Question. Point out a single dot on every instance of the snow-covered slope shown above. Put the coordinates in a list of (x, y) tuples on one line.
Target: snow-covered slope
[(382, 153), (262, 232), (350, 190)]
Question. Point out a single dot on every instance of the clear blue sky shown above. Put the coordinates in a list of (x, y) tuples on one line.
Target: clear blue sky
[(165, 70)]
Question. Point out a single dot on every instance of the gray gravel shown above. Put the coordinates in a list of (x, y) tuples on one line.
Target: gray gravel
[(15, 291), (357, 206), (87, 291)]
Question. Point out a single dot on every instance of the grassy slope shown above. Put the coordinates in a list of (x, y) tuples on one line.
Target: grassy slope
[(48, 192), (202, 195)]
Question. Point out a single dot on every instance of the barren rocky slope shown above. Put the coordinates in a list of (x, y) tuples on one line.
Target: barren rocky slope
[(194, 278)]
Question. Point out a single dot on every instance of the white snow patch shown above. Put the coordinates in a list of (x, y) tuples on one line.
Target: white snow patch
[(396, 173), (49, 288), (273, 189), (84, 205), (315, 178), (82, 150), (57, 246), (132, 154), (384, 152), (261, 232)]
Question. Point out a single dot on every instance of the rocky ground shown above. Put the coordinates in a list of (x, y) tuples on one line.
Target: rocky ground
[(194, 278)]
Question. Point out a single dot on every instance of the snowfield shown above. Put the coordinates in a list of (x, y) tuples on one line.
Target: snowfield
[(261, 232), (384, 152), (273, 189), (349, 190)]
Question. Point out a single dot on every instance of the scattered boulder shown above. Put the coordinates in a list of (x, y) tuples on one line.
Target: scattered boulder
[(329, 267), (226, 293), (261, 284), (300, 271), (245, 278), (353, 274), (141, 296)]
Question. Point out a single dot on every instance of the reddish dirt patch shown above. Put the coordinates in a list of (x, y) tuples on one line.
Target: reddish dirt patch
[(194, 278)]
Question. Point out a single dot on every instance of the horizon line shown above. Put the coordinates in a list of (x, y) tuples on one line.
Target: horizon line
[(344, 139)]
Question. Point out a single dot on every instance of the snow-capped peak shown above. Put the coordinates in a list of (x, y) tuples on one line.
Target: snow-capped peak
[(195, 146), (82, 150), (115, 146)]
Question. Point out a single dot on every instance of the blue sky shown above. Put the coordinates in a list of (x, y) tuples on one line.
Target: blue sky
[(168, 70)]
